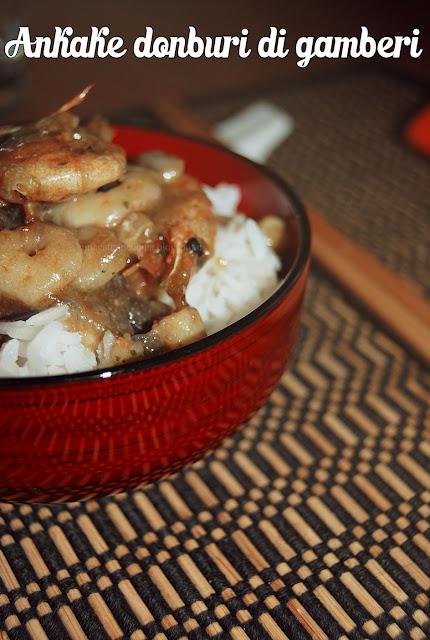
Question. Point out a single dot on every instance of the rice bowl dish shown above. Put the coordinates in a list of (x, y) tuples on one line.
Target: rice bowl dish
[(73, 436), (149, 272)]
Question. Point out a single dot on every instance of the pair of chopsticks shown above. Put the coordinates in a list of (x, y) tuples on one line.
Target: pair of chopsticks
[(394, 300)]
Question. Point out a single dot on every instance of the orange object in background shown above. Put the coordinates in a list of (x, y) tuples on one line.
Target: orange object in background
[(418, 131)]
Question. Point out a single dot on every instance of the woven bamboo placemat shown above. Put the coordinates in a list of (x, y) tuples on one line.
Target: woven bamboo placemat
[(314, 520)]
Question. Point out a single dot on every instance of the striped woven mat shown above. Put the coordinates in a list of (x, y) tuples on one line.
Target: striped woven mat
[(314, 520)]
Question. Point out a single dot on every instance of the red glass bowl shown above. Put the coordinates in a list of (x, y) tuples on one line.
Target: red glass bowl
[(72, 437)]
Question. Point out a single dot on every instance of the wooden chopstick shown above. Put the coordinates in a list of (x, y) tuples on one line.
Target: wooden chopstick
[(393, 299)]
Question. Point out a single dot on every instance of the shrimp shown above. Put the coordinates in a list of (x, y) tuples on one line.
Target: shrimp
[(104, 256), (170, 239), (139, 189), (55, 158), (175, 330), (188, 229), (180, 328), (37, 262)]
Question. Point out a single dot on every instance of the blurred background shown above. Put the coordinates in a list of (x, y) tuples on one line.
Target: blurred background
[(127, 82), (349, 152)]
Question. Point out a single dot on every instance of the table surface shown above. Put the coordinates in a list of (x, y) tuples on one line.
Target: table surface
[(313, 521)]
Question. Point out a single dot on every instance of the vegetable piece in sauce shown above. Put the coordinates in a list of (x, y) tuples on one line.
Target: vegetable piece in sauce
[(11, 216), (276, 231), (170, 167)]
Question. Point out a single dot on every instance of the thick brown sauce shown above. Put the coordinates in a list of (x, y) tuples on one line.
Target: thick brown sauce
[(117, 244), (165, 244), (128, 304)]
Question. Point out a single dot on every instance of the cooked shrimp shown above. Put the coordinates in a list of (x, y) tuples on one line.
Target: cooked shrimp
[(139, 189), (189, 227), (55, 158), (38, 167), (37, 262), (180, 328), (175, 330), (104, 257), (170, 239), (188, 213)]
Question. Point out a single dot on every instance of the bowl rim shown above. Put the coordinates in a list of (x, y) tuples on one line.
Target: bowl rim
[(286, 285)]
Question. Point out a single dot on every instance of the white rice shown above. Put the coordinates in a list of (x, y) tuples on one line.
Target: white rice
[(42, 346), (237, 279), (224, 198)]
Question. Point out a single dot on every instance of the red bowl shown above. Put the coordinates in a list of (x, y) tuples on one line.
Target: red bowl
[(72, 437)]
